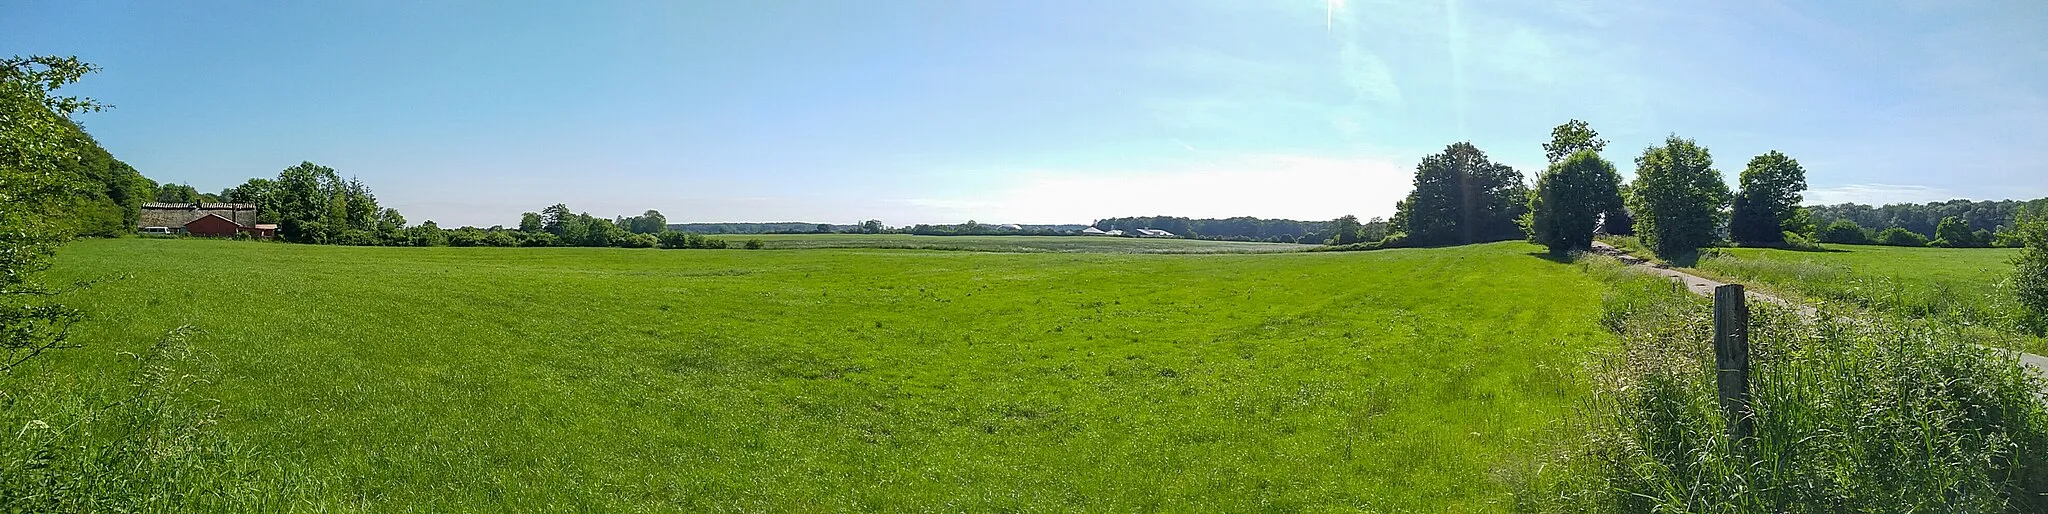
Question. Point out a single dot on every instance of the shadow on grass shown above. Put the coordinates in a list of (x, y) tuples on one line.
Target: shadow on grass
[(1560, 259)]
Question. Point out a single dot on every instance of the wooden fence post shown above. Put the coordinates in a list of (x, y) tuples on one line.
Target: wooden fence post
[(1731, 360)]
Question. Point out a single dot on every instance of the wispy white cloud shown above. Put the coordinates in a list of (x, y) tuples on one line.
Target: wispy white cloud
[(1877, 194)]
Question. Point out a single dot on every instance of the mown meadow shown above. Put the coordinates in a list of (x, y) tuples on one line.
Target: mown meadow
[(571, 379), (1085, 244)]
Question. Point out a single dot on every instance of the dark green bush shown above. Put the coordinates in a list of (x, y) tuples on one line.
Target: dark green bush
[(537, 239), (2030, 270), (638, 241), (1845, 232), (1896, 236)]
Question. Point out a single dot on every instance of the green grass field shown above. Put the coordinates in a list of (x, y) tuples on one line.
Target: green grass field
[(1964, 284), (560, 379), (1013, 244)]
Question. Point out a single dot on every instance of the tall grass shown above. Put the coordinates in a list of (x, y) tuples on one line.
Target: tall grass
[(1888, 416), (147, 448), (1990, 304)]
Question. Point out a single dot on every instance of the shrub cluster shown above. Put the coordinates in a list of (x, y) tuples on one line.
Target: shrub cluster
[(686, 240)]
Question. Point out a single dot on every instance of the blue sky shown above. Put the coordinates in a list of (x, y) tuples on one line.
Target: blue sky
[(1037, 111)]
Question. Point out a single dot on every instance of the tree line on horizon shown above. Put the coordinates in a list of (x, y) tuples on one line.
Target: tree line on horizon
[(1677, 204)]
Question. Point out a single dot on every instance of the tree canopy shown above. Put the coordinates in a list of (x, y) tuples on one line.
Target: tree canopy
[(42, 188), (1768, 205), (1953, 232), (1461, 197), (1569, 199), (650, 222), (1677, 197), (1570, 138), (313, 204)]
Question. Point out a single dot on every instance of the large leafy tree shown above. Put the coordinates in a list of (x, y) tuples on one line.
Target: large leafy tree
[(1460, 197), (650, 222), (177, 193), (1571, 138), (313, 204), (301, 202), (1346, 230), (1955, 233), (113, 191), (1677, 197), (1569, 200), (1769, 202), (556, 219)]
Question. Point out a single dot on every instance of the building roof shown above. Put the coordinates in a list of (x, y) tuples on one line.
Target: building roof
[(212, 215), (266, 226), (178, 214), (203, 206)]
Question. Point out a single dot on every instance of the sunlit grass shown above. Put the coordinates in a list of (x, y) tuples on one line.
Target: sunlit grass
[(1086, 244), (1866, 414), (555, 379), (1965, 286)]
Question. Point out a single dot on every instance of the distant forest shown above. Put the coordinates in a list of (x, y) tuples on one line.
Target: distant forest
[(1924, 218)]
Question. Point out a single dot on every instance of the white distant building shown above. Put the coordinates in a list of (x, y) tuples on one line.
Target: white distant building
[(1092, 231), (1113, 233), (1153, 232)]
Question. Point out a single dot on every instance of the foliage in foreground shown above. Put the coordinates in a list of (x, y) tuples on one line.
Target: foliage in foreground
[(37, 150), (2030, 271), (147, 447), (1891, 416)]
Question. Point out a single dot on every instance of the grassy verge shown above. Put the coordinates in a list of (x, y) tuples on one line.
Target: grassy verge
[(1965, 287), (1894, 415)]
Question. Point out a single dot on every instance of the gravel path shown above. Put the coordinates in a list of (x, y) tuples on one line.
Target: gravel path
[(1705, 287)]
